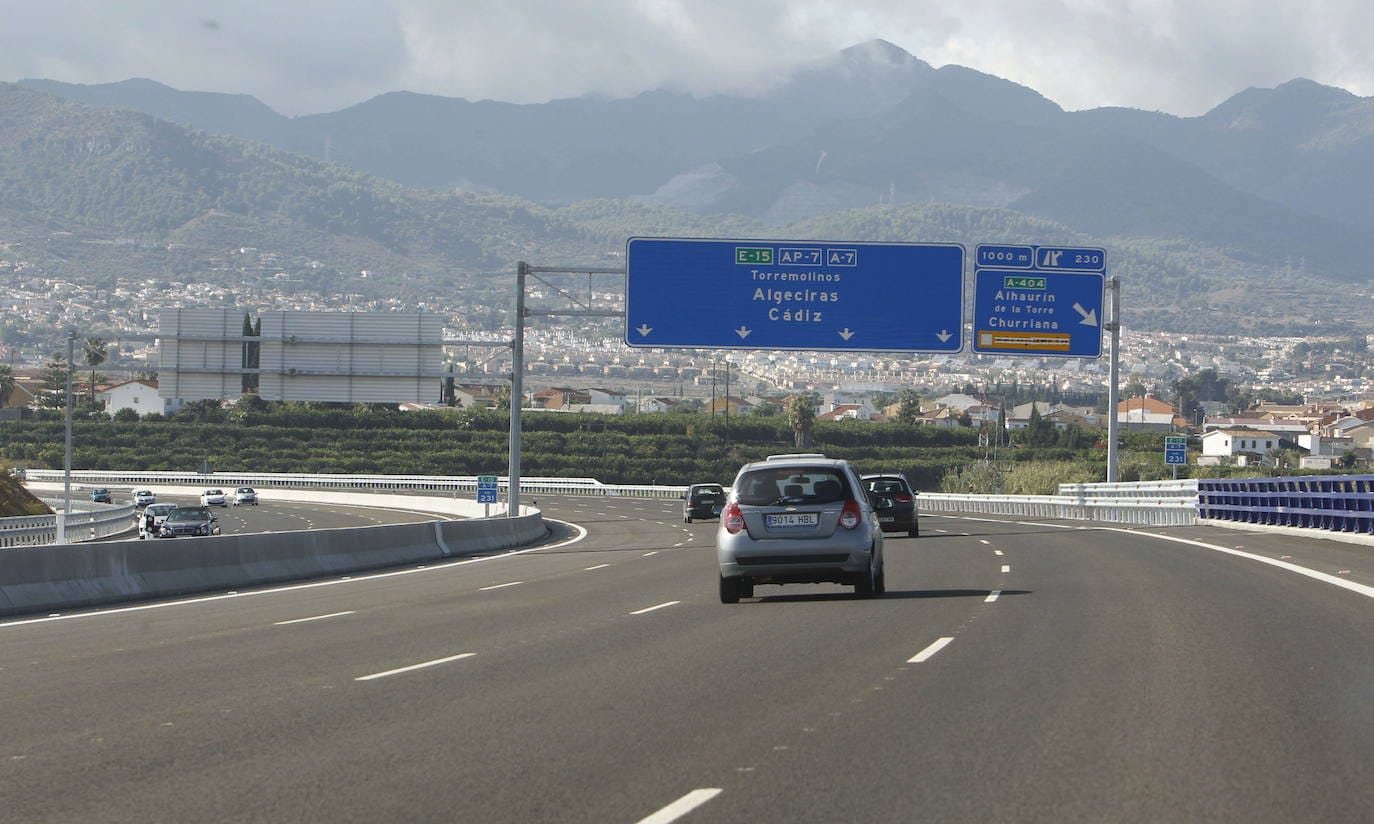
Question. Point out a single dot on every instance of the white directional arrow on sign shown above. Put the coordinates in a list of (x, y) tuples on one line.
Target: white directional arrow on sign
[(846, 334), (944, 336), (644, 329), (743, 332), (1089, 315)]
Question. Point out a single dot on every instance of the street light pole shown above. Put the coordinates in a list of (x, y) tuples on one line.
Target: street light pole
[(67, 452)]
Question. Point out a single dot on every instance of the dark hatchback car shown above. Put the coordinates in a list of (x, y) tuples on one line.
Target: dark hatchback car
[(703, 501), (101, 495), (895, 502), (188, 521)]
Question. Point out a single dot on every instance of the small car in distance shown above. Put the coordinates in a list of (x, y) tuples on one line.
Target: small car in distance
[(213, 497), (795, 519), (101, 495), (245, 495), (702, 501), (895, 502), (188, 521), (143, 497)]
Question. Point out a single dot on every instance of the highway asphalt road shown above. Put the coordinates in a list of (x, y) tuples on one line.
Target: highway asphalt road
[(1016, 671), (291, 516)]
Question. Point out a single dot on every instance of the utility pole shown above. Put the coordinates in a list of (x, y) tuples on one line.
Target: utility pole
[(67, 453)]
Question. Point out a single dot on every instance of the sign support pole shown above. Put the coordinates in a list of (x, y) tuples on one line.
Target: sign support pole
[(517, 376), (1113, 379)]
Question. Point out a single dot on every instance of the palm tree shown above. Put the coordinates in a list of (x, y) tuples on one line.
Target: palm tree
[(6, 383), (801, 416), (95, 350)]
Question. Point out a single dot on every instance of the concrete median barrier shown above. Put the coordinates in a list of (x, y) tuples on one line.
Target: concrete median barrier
[(48, 578)]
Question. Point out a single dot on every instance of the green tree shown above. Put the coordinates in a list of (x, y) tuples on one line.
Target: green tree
[(6, 383), (54, 377), (95, 351), (801, 418), (908, 406)]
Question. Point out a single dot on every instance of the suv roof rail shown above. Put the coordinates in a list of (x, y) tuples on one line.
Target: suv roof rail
[(807, 455)]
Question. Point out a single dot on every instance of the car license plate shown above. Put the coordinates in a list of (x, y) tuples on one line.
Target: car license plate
[(886, 519), (790, 519)]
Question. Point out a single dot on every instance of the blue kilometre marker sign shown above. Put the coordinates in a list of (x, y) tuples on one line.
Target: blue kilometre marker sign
[(794, 294)]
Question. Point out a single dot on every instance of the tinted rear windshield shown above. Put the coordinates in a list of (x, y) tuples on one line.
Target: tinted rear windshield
[(794, 485)]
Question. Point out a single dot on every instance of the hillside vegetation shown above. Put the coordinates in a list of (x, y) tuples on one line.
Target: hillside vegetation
[(672, 449), (15, 500)]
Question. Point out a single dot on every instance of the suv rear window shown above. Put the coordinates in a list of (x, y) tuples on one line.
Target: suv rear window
[(810, 485), (881, 485)]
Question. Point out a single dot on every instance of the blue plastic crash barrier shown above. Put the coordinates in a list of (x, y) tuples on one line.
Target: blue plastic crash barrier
[(1340, 503)]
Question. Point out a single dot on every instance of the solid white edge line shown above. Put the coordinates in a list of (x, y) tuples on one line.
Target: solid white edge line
[(659, 606), (993, 596), (1362, 589), (345, 579), (925, 654), (682, 806), (436, 662), (500, 586), (313, 618)]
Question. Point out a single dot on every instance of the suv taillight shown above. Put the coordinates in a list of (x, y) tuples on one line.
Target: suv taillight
[(902, 499), (850, 515), (732, 519)]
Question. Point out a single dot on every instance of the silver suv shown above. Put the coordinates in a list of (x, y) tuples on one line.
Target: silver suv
[(798, 519)]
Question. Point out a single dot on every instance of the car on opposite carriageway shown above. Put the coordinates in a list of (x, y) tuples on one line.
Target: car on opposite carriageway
[(188, 521)]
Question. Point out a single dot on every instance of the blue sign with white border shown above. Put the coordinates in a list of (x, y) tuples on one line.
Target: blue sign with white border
[(1175, 450), (1051, 308), (794, 294)]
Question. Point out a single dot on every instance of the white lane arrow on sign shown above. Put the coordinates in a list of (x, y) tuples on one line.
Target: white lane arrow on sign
[(944, 336), (1089, 315), (644, 329), (846, 334), (743, 332)]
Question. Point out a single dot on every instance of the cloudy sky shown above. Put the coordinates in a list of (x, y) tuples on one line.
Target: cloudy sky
[(307, 56)]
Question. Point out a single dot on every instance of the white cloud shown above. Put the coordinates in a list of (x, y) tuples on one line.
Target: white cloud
[(304, 56)]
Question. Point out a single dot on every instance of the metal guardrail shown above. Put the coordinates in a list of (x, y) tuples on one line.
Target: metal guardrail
[(86, 522), (1335, 503), (1343, 503), (1176, 510)]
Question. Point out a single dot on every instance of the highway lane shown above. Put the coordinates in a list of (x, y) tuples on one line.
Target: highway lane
[(291, 516), (1092, 675)]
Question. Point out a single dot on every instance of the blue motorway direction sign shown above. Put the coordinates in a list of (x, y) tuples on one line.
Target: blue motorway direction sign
[(794, 294), (1038, 300), (486, 496)]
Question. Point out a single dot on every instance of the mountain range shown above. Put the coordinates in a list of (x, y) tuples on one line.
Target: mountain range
[(1267, 193)]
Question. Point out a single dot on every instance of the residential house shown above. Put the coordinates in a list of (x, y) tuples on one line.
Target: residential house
[(658, 404), (847, 411), (1243, 447), (138, 395), (1147, 414), (556, 397)]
